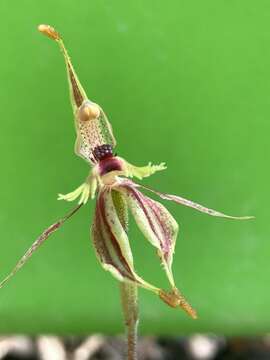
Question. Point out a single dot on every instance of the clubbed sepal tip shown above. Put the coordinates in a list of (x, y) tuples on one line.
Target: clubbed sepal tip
[(175, 299), (49, 31)]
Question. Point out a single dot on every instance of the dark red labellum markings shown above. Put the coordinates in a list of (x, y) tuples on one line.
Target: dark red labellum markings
[(103, 151)]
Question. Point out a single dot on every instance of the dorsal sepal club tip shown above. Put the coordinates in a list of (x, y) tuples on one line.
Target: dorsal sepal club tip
[(49, 31)]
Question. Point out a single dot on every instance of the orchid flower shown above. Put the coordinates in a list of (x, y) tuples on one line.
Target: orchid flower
[(110, 182)]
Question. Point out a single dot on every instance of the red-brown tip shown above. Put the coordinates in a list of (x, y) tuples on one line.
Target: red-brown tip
[(49, 31), (175, 299)]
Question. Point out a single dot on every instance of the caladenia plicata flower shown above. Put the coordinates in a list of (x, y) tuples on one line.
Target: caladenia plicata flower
[(109, 181)]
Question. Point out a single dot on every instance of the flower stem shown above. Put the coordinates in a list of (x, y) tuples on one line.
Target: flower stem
[(129, 291), (129, 297)]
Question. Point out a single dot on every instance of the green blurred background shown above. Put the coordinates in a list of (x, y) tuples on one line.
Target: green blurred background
[(186, 82)]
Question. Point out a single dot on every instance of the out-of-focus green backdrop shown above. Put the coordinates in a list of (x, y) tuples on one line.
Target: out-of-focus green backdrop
[(186, 82)]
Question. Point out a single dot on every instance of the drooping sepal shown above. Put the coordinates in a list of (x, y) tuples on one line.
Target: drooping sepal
[(113, 249), (156, 223), (111, 241)]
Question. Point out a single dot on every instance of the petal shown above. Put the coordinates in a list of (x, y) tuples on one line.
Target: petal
[(193, 205), (156, 223)]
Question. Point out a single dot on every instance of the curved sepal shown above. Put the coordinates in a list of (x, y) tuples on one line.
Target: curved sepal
[(156, 223), (111, 242), (114, 253)]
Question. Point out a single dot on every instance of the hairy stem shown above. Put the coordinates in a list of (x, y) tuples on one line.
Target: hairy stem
[(129, 291), (129, 297)]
